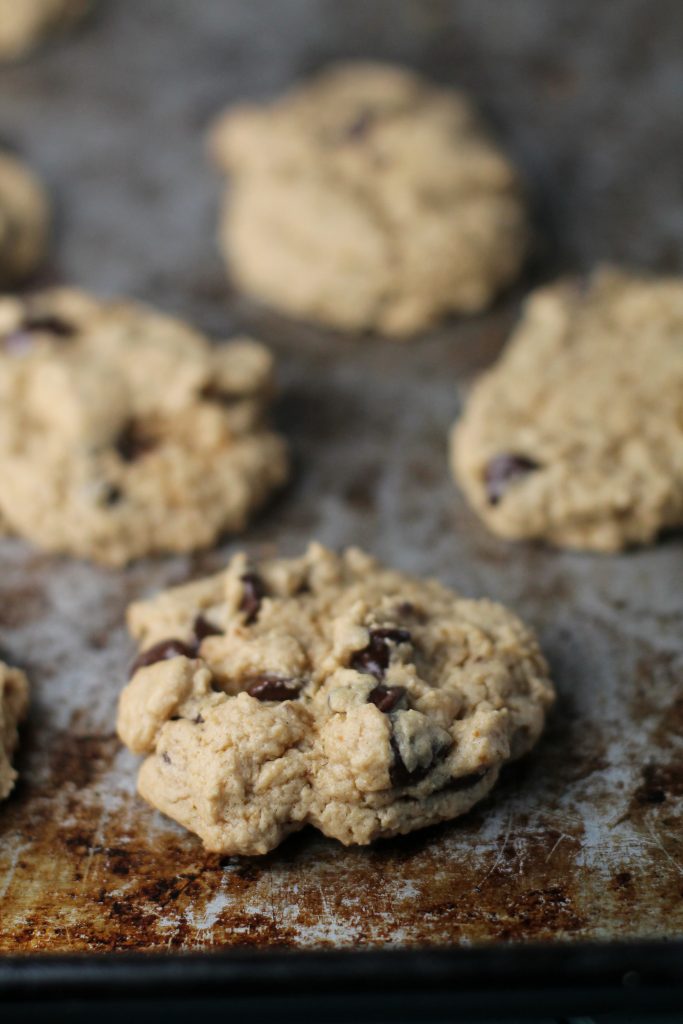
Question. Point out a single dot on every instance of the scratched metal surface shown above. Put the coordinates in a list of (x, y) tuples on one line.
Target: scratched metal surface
[(584, 839)]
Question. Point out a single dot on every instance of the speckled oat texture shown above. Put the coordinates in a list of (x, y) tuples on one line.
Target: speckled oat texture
[(24, 218), (576, 435), (368, 198), (26, 23), (13, 707), (123, 432), (327, 690)]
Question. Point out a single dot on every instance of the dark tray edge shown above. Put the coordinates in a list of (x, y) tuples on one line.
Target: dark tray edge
[(424, 984)]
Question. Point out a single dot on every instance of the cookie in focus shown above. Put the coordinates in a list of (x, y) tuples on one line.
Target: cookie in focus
[(325, 690)]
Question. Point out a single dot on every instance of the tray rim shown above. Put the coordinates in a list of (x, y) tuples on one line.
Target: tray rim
[(521, 977)]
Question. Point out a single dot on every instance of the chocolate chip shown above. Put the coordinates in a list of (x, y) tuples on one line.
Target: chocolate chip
[(466, 781), (212, 393), (397, 636), (386, 697), (399, 774), (407, 610), (374, 659), (23, 337), (253, 593), (267, 687), (112, 495), (165, 758), (198, 720), (503, 470), (203, 628), (132, 443), (50, 325), (359, 127), (161, 651)]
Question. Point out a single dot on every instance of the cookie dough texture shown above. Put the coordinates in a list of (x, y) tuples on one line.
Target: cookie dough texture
[(24, 24), (325, 690), (13, 708), (368, 198), (576, 434), (24, 220), (123, 432)]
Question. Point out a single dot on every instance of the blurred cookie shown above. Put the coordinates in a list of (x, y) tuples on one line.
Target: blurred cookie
[(13, 708), (576, 434), (326, 690), (24, 24), (368, 198), (24, 218), (123, 432)]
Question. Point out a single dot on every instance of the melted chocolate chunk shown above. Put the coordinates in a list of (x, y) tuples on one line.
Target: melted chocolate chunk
[(253, 593), (267, 687), (386, 697), (132, 443), (203, 628), (503, 470), (374, 659), (161, 651)]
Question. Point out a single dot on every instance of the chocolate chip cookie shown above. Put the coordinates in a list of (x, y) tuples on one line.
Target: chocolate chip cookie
[(13, 708), (328, 690), (368, 199), (26, 23), (123, 432), (576, 435), (24, 219)]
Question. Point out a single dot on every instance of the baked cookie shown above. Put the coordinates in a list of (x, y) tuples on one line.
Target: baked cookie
[(26, 23), (327, 690), (123, 432), (24, 220), (576, 435), (13, 708), (368, 198)]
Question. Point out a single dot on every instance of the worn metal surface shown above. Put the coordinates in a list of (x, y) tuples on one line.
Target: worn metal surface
[(585, 838)]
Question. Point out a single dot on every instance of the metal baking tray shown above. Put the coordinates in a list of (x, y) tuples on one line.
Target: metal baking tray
[(580, 843)]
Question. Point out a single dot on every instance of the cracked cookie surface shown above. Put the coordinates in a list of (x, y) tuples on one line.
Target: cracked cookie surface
[(13, 708), (325, 690), (576, 434), (123, 432), (24, 24), (367, 198), (24, 220)]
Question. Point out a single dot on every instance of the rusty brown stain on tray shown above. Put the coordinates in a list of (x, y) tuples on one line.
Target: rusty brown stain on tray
[(582, 840)]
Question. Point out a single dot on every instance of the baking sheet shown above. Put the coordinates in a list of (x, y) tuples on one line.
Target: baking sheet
[(583, 840)]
